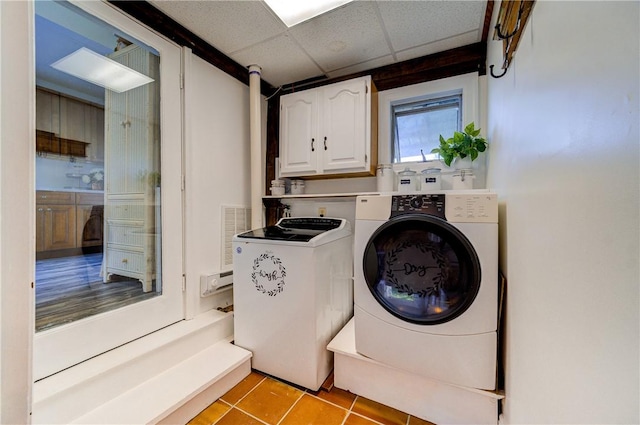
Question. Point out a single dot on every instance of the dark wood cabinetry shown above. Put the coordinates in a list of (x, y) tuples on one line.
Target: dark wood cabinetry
[(50, 143), (67, 223), (55, 220), (66, 126)]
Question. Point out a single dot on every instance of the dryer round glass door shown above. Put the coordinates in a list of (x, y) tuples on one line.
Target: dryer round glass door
[(421, 269)]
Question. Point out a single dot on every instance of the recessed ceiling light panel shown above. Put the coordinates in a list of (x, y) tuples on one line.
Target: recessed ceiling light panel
[(293, 12), (97, 69)]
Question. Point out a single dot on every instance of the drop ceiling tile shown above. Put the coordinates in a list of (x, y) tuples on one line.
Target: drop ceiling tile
[(281, 59), (226, 25), (416, 23), (439, 46), (350, 34)]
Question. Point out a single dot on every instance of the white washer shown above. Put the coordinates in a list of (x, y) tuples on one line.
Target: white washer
[(292, 293), (426, 284)]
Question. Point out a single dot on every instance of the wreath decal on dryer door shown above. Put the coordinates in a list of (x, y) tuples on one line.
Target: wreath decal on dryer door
[(268, 274), (420, 263)]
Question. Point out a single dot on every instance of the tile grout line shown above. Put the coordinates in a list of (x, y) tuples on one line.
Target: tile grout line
[(234, 406), (327, 401), (248, 392), (252, 416), (349, 410), (331, 404), (291, 408), (231, 407), (367, 417), (353, 403)]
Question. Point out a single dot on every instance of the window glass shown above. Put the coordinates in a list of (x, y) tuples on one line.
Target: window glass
[(417, 126), (97, 170)]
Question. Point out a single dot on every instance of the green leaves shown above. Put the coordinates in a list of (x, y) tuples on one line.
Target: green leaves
[(462, 144)]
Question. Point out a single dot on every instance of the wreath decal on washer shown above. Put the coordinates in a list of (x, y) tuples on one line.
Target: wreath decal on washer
[(416, 268), (268, 274)]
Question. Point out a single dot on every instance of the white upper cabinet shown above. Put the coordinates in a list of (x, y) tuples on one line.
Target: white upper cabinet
[(299, 133), (328, 131)]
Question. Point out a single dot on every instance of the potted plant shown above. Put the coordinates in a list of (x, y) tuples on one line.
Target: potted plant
[(465, 144), (95, 179)]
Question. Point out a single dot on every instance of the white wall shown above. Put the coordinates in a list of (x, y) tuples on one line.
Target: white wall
[(217, 168), (564, 160), (17, 221)]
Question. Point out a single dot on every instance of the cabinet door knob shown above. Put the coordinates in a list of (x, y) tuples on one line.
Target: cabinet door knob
[(40, 209), (313, 149), (325, 143), (124, 260)]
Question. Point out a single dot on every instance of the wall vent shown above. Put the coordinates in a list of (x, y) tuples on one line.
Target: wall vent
[(234, 220)]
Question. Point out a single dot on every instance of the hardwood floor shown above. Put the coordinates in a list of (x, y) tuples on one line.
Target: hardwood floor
[(71, 288)]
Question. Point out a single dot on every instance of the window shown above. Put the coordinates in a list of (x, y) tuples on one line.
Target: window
[(406, 112), (417, 126)]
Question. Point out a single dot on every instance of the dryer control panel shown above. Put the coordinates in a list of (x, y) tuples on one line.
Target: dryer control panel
[(432, 204), (472, 208)]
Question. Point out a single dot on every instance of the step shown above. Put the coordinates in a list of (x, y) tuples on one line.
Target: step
[(80, 390), (161, 396)]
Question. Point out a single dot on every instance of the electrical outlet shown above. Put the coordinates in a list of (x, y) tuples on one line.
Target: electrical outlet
[(322, 211)]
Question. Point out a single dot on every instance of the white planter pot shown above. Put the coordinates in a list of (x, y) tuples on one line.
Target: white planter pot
[(462, 163)]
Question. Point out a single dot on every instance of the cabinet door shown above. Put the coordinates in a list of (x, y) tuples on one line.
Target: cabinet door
[(89, 225), (47, 112), (116, 172), (344, 127), (59, 226), (299, 144), (73, 119), (94, 133)]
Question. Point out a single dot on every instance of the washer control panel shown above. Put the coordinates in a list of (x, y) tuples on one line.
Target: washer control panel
[(432, 204)]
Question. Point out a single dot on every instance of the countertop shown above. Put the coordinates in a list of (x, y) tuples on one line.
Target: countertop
[(69, 189)]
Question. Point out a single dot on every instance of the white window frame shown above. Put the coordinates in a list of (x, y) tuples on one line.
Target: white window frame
[(422, 107), (467, 84)]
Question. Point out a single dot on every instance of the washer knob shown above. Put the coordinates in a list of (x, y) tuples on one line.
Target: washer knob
[(416, 202)]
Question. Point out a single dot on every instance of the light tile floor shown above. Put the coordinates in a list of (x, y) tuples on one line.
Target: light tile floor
[(259, 400)]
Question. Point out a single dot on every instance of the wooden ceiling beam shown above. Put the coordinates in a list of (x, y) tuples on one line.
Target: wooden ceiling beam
[(461, 60)]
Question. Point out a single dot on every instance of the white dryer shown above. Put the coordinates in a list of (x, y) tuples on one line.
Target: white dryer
[(426, 284), (292, 293)]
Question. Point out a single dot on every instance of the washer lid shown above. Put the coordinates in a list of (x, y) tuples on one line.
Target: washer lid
[(295, 229)]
